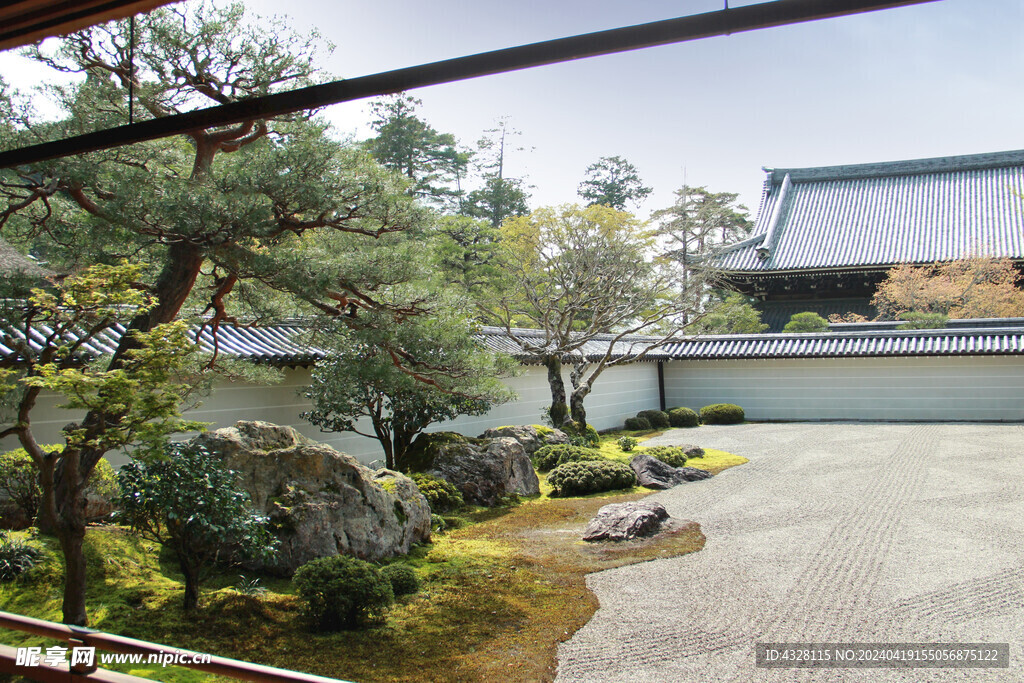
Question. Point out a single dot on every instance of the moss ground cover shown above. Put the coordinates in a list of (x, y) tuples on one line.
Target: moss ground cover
[(498, 593)]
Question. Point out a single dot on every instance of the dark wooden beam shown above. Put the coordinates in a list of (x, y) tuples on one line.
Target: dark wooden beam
[(723, 22), (27, 21)]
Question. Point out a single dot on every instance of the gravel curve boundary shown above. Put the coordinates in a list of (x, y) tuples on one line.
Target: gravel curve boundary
[(833, 532)]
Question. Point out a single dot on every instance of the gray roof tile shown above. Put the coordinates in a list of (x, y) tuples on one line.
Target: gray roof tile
[(878, 215), (288, 345)]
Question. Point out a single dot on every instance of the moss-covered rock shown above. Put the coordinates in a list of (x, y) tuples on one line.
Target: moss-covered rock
[(484, 470), (320, 502)]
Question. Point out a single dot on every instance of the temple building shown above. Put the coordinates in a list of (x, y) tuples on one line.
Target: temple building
[(825, 237)]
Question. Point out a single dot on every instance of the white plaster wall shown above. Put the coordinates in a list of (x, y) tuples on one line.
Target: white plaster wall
[(618, 393), (969, 388)]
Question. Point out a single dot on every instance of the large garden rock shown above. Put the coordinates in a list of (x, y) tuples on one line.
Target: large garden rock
[(530, 437), (655, 474), (694, 473), (320, 501), (692, 451), (484, 470), (625, 521)]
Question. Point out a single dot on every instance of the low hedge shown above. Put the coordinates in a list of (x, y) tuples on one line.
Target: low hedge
[(657, 418), (683, 417), (549, 457), (721, 414), (581, 478), (637, 424)]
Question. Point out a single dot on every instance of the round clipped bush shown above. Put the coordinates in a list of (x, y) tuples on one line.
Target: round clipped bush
[(670, 455), (721, 414), (580, 478), (683, 417), (403, 579), (636, 424), (657, 418), (341, 592), (549, 457), (627, 443), (441, 495)]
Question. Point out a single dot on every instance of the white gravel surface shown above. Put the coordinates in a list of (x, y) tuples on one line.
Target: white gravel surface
[(842, 532)]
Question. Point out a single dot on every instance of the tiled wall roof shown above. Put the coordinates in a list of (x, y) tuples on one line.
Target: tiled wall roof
[(288, 345)]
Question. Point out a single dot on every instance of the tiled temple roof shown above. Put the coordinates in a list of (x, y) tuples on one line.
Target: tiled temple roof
[(873, 216)]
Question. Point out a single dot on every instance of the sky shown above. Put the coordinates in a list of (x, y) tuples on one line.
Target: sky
[(937, 79)]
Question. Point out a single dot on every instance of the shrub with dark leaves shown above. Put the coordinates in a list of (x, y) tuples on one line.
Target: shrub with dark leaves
[(637, 424), (658, 419), (341, 592), (683, 417), (721, 414), (403, 579)]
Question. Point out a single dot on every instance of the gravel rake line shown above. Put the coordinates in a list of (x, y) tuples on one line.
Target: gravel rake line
[(993, 595), (839, 591)]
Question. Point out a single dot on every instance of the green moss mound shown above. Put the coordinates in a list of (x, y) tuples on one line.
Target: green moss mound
[(721, 414)]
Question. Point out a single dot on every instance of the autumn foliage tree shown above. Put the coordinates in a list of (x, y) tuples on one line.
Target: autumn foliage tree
[(972, 287)]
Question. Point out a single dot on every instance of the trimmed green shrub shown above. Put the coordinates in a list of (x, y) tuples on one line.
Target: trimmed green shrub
[(721, 414), (17, 557), (341, 592), (627, 443), (637, 424), (403, 579), (441, 495), (549, 457), (683, 417), (670, 455), (580, 478), (657, 418)]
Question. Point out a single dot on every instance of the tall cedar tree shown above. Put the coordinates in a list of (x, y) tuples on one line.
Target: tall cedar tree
[(264, 205), (501, 196), (614, 182), (432, 161)]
